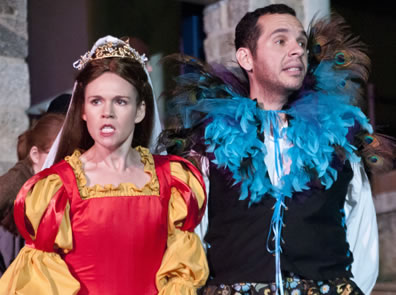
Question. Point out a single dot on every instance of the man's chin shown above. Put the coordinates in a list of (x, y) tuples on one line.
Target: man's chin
[(292, 87)]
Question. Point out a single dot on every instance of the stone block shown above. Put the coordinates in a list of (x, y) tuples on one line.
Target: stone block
[(226, 43), (211, 19), (211, 47), (384, 190), (14, 78), (11, 44), (384, 182), (215, 17), (13, 28), (13, 14), (388, 288), (9, 7), (387, 241), (13, 121), (13, 8), (385, 202), (14, 83), (254, 4), (236, 10)]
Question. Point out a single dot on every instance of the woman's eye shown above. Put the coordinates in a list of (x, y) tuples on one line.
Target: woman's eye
[(95, 101)]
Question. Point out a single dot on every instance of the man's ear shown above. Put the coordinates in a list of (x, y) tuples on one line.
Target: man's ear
[(140, 113), (244, 58)]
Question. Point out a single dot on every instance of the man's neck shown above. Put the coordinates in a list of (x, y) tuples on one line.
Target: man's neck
[(268, 100)]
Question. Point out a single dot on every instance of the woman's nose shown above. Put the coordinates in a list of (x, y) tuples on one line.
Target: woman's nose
[(108, 111)]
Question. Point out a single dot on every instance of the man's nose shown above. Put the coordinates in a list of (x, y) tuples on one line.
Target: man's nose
[(297, 49)]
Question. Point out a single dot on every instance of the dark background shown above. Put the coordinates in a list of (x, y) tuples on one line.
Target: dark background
[(375, 22)]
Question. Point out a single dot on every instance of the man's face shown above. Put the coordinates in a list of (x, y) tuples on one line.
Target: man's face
[(280, 60)]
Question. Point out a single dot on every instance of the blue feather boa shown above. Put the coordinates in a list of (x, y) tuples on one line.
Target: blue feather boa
[(320, 120)]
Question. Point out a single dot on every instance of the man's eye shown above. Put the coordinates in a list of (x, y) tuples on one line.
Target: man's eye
[(280, 42), (302, 44), (121, 101)]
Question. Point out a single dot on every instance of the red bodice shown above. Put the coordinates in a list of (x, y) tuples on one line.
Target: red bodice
[(119, 242)]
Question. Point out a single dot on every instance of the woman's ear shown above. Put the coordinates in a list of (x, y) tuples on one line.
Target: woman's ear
[(83, 115), (244, 58), (34, 155), (141, 112)]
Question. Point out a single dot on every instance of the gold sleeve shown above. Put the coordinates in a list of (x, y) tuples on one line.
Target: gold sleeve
[(37, 202), (184, 267), (38, 272)]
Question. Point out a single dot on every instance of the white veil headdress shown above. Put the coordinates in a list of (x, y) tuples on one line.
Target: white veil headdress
[(79, 65)]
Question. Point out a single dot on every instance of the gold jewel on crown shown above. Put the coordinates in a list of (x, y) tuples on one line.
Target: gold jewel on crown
[(110, 49)]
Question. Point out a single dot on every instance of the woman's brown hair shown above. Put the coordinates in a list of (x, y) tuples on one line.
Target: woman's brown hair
[(42, 134), (75, 133)]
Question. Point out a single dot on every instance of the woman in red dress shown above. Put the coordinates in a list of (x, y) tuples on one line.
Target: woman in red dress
[(110, 217)]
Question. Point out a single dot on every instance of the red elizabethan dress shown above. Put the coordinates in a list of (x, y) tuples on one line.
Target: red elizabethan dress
[(118, 242)]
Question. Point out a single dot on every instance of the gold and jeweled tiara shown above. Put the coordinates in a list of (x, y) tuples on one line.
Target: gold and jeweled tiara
[(107, 47)]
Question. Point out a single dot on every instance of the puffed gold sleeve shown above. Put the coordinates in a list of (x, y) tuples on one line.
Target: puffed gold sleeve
[(184, 267), (35, 271)]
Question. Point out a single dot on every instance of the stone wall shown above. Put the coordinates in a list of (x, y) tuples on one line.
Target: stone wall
[(14, 78), (384, 190)]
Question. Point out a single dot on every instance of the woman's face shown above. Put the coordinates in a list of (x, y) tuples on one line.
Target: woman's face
[(111, 112)]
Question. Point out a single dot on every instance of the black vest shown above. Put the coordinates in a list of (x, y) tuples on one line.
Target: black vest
[(315, 245)]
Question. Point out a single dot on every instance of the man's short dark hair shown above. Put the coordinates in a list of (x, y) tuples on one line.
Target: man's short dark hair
[(247, 31)]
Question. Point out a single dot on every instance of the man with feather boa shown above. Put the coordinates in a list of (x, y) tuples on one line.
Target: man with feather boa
[(290, 209)]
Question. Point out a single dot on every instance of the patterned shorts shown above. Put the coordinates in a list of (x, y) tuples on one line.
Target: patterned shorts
[(292, 286)]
